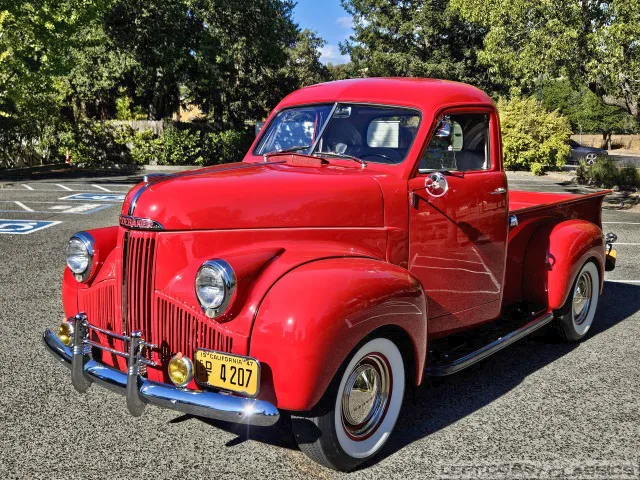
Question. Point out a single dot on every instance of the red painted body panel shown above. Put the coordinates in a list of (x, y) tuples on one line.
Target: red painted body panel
[(306, 327), (274, 195), (555, 256), (537, 211), (327, 252)]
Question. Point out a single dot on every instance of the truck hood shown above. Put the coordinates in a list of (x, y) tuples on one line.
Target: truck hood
[(255, 195)]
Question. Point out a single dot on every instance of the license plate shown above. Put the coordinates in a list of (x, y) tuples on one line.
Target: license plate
[(228, 372)]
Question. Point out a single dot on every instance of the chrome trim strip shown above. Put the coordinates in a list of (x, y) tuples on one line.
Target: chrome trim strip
[(489, 349), (140, 391), (136, 196)]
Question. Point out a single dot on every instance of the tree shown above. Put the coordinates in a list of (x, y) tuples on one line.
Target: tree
[(239, 49), (415, 38), (585, 110), (591, 42)]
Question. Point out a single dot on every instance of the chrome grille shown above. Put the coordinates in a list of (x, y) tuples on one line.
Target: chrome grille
[(179, 330), (137, 289)]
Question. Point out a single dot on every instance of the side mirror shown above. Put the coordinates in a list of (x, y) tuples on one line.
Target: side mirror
[(443, 129)]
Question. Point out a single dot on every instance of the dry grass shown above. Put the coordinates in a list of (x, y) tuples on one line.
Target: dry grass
[(630, 143)]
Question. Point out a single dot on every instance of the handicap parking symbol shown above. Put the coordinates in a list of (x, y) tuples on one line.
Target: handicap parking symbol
[(23, 227), (96, 197)]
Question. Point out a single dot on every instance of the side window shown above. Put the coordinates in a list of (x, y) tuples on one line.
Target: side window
[(459, 143)]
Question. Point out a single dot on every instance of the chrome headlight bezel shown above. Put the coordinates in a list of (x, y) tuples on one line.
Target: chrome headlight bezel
[(227, 277), (89, 244)]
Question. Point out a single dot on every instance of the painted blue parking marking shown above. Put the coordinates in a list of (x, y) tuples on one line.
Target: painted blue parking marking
[(23, 227), (14, 206), (96, 197)]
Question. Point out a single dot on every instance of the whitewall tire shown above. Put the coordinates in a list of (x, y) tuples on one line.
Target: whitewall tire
[(576, 316), (359, 410)]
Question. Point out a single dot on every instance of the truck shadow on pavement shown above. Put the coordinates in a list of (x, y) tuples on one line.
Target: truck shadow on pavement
[(443, 401)]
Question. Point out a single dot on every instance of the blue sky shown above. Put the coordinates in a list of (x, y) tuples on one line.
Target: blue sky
[(329, 20)]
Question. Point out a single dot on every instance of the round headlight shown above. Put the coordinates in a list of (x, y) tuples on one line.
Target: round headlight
[(215, 286), (80, 255)]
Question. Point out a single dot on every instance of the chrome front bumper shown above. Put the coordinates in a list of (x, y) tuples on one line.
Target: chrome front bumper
[(139, 391)]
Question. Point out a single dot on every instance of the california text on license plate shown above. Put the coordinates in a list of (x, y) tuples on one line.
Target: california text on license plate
[(228, 372)]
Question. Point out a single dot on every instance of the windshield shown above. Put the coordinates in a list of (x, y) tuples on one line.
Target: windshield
[(370, 133)]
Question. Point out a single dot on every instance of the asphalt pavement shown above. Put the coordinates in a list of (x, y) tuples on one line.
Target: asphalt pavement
[(538, 409)]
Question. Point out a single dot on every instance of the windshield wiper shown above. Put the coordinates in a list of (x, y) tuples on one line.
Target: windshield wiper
[(288, 150), (341, 155)]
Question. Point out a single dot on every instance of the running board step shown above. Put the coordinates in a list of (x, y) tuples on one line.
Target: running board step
[(443, 369)]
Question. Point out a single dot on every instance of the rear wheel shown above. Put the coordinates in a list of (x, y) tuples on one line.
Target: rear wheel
[(356, 415), (576, 316), (591, 158)]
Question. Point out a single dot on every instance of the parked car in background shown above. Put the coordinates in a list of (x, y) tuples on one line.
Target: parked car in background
[(588, 154)]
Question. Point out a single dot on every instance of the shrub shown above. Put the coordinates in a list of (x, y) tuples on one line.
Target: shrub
[(531, 135), (146, 147), (537, 169), (226, 146), (182, 147), (606, 174), (97, 144)]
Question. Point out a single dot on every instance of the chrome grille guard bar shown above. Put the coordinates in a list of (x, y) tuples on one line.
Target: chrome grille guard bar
[(139, 391)]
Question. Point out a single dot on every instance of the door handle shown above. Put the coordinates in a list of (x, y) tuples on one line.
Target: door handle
[(499, 191)]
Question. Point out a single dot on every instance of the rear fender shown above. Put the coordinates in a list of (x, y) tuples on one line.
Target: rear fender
[(554, 257), (315, 315)]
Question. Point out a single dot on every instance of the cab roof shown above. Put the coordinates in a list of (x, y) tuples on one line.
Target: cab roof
[(425, 94)]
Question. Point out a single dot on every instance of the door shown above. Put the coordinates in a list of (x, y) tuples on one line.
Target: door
[(458, 222)]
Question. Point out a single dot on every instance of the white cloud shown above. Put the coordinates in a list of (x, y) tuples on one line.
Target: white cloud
[(345, 22), (331, 54)]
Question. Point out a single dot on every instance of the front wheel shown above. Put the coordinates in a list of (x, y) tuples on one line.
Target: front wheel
[(576, 316), (356, 415)]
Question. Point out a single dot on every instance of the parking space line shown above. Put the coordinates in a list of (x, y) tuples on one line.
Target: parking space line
[(622, 243), (27, 187), (621, 223), (621, 281), (101, 188), (63, 187), (22, 205)]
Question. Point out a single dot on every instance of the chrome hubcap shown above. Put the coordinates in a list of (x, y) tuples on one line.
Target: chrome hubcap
[(365, 396), (582, 298)]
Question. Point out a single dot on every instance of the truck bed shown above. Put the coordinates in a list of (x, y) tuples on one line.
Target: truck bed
[(521, 201), (532, 211)]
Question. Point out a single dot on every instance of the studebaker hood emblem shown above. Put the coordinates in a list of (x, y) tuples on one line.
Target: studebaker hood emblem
[(256, 196), (139, 223)]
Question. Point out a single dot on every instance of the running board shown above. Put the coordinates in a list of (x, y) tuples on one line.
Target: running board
[(489, 349)]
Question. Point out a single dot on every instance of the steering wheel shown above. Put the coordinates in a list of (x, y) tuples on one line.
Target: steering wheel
[(391, 153)]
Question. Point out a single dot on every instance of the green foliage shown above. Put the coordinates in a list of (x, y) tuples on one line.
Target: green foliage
[(590, 43), (97, 144), (146, 147), (606, 174), (532, 137), (537, 168), (415, 38), (226, 146), (585, 110), (125, 110), (182, 147)]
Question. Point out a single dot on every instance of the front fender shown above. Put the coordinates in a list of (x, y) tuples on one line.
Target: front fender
[(554, 257), (314, 316)]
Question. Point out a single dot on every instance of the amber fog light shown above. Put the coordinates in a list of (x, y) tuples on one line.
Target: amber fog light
[(65, 332), (180, 370)]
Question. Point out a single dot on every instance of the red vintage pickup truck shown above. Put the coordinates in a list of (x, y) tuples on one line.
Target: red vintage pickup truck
[(366, 241)]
